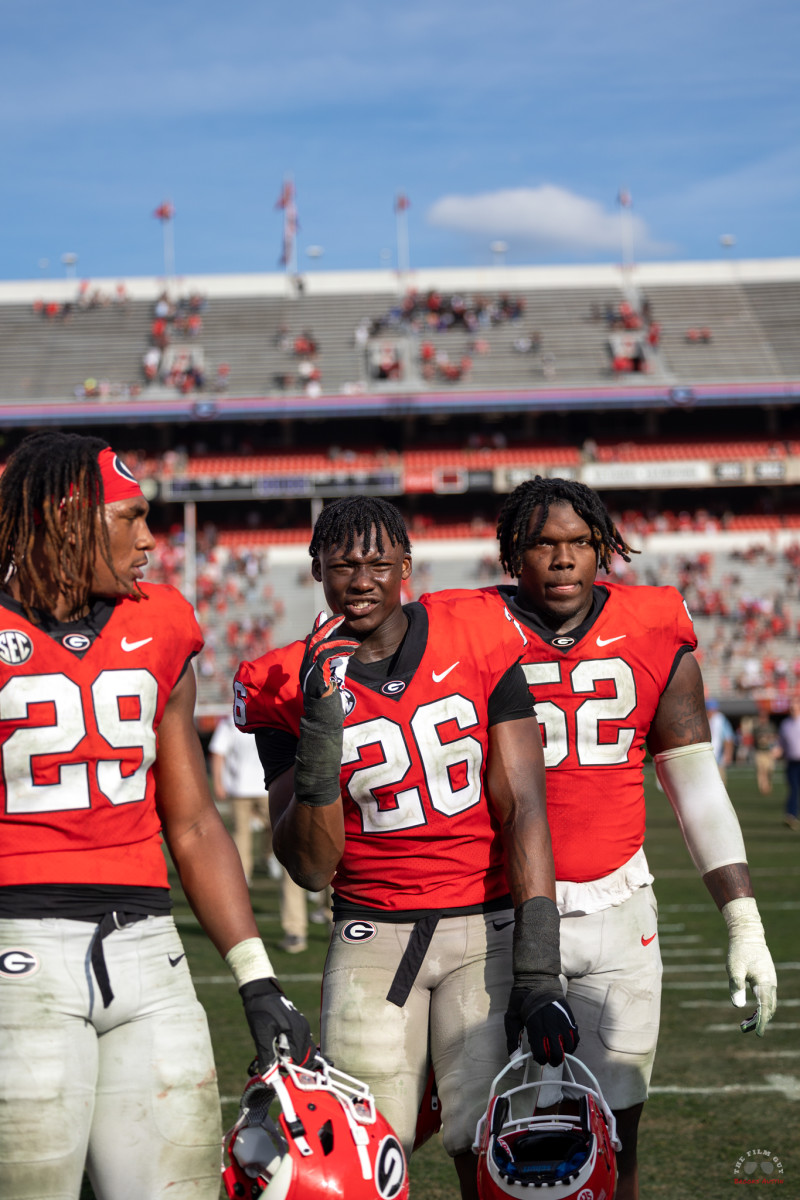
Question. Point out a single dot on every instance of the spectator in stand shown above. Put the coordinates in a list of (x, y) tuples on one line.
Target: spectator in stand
[(789, 734), (722, 737), (150, 363), (158, 333), (163, 309), (305, 344)]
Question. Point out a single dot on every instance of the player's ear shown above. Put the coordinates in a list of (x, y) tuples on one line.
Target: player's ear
[(406, 572), (316, 570)]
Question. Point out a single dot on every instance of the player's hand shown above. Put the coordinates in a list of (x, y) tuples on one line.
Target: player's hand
[(324, 662), (547, 1020), (275, 1024), (749, 961), (318, 759)]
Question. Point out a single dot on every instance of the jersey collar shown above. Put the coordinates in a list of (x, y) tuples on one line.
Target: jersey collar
[(559, 641), (400, 666), (89, 626)]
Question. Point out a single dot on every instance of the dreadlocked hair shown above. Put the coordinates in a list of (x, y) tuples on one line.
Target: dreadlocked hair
[(52, 489), (538, 493), (340, 523)]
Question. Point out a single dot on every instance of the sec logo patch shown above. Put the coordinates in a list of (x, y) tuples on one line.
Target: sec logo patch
[(15, 647), (359, 931), (18, 963)]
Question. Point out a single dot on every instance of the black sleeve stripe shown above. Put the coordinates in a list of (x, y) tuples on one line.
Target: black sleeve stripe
[(681, 651), (276, 749), (511, 699)]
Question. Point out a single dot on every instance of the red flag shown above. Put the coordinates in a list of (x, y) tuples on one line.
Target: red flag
[(401, 202), (165, 211), (287, 195)]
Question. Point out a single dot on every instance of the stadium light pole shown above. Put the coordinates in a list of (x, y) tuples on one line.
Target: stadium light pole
[(498, 251), (69, 259), (169, 250), (401, 207), (190, 551), (626, 229)]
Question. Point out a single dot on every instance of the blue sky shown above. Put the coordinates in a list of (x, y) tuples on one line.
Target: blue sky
[(507, 121)]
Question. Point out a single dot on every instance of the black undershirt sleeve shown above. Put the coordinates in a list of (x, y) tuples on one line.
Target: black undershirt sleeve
[(681, 651), (276, 749), (511, 699)]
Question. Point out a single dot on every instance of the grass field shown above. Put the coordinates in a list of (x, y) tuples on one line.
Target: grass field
[(716, 1093)]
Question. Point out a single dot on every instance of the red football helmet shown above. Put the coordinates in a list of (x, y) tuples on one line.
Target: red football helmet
[(572, 1152), (326, 1139)]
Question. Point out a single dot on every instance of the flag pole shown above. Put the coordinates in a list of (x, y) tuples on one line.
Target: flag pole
[(401, 207), (287, 202), (169, 249), (165, 214), (626, 228)]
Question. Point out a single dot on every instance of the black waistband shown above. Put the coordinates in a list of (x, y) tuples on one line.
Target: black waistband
[(82, 902), (347, 910)]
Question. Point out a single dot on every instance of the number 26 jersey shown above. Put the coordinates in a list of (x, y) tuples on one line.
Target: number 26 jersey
[(419, 832)]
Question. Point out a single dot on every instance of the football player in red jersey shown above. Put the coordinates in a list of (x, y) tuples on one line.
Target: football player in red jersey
[(105, 1056), (613, 672), (416, 785)]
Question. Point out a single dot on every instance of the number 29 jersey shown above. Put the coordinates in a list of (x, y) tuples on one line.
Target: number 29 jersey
[(419, 833), (597, 689), (80, 706)]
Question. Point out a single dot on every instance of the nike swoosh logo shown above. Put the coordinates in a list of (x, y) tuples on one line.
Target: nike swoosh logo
[(438, 678), (126, 645), (608, 641), (173, 962), (647, 941), (502, 924)]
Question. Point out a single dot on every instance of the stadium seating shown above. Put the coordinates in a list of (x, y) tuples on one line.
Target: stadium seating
[(752, 323)]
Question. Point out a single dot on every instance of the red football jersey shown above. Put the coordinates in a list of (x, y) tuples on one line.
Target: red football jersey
[(79, 714), (596, 693), (419, 831)]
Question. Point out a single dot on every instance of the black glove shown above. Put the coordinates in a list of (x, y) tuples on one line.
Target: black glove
[(318, 760), (549, 1024), (275, 1024), (537, 1002)]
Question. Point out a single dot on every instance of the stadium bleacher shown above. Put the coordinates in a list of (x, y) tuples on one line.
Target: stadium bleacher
[(703, 446), (751, 310)]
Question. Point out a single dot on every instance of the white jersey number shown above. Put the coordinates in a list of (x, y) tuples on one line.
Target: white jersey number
[(452, 769), (27, 747), (589, 716)]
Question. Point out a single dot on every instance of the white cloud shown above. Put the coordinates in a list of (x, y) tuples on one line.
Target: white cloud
[(545, 216)]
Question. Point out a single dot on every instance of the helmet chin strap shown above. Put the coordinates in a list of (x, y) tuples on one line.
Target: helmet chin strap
[(293, 1122)]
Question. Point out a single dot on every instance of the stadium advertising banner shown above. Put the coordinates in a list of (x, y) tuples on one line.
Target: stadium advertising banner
[(290, 486), (651, 474)]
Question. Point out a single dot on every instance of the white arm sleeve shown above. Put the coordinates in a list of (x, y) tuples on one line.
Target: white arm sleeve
[(690, 777)]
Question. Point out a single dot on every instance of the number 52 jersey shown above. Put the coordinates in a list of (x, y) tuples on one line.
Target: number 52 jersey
[(596, 690), (419, 833), (80, 706)]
